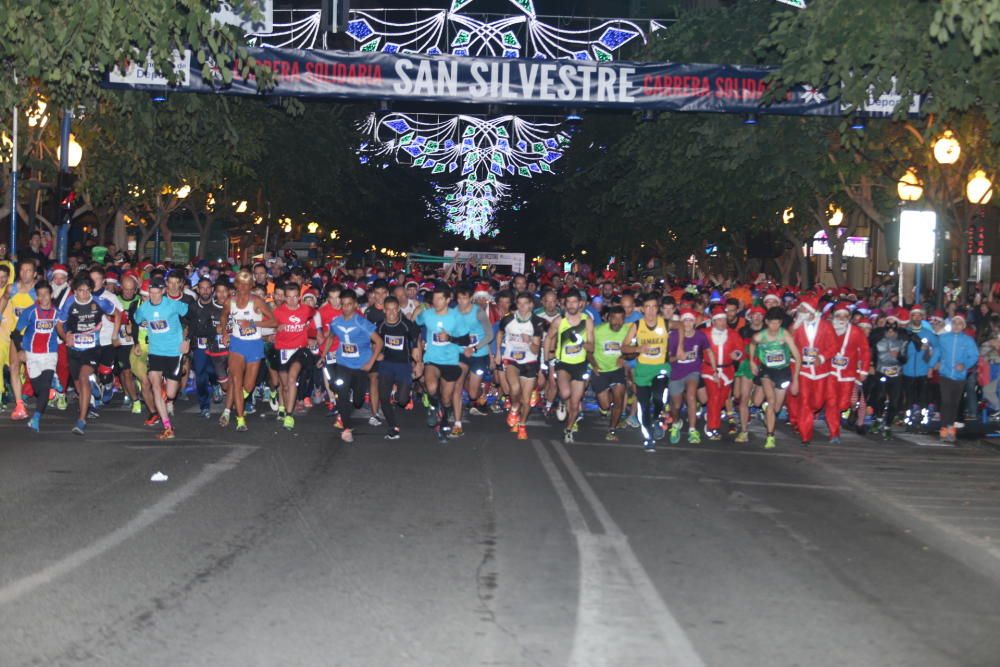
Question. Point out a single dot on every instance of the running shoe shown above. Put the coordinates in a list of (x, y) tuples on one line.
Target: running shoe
[(338, 423), (300, 408), (432, 417), (80, 428), (206, 414), (575, 428), (241, 423), (456, 432), (224, 418), (166, 434), (658, 432), (511, 418), (535, 398), (770, 442), (742, 437), (249, 409), (92, 413), (281, 414), (714, 435), (153, 420), (374, 421), (126, 402), (611, 436), (675, 434), (561, 411), (272, 402), (393, 434), (475, 411), (694, 436), (442, 434), (331, 409), (568, 436), (497, 408), (33, 422), (136, 407), (522, 432), (20, 412), (649, 446), (288, 422), (107, 393), (834, 441), (307, 403), (61, 401), (633, 421), (217, 394)]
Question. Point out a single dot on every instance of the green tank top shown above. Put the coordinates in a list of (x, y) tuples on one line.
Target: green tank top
[(774, 353), (608, 347), (570, 341)]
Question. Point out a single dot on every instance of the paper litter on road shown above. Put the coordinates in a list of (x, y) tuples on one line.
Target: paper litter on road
[(158, 477)]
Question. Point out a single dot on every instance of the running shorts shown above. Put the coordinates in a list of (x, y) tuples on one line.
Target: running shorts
[(576, 371), (169, 367), (601, 382), (646, 373)]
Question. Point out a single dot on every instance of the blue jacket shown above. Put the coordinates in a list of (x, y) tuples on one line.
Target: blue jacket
[(915, 365), (953, 349)]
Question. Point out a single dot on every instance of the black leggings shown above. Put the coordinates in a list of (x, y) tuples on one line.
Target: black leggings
[(951, 396), (915, 391), (385, 384), (651, 401), (345, 381), (41, 385), (885, 396)]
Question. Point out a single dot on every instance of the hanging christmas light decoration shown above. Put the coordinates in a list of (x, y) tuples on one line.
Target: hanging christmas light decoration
[(300, 31)]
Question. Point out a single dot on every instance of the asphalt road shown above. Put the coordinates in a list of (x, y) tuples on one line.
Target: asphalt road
[(270, 548)]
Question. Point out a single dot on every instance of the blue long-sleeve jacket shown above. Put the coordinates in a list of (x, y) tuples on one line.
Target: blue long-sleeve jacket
[(915, 365), (954, 349)]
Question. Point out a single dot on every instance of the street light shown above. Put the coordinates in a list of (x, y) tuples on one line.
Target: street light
[(75, 152), (836, 215), (312, 227), (947, 150), (182, 192), (787, 216), (979, 189), (241, 207), (910, 187)]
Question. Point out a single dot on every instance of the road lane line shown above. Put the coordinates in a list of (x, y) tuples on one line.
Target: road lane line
[(621, 618), (715, 480), (144, 519)]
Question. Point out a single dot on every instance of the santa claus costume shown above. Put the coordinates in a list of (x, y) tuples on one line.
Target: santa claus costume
[(848, 366), (728, 349), (817, 341)]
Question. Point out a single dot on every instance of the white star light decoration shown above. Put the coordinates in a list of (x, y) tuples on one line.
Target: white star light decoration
[(480, 151)]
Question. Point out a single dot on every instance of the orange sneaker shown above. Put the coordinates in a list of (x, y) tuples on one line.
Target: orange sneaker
[(166, 434), (512, 419), (522, 432), (535, 397), (339, 423), (20, 412)]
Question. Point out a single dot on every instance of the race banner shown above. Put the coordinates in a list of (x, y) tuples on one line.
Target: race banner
[(571, 84)]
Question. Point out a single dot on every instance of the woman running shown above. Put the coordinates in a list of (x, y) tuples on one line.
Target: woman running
[(771, 355)]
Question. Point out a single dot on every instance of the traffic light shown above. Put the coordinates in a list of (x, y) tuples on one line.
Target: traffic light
[(334, 15), (65, 194)]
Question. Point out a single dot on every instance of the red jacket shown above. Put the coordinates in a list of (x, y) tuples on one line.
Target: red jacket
[(852, 358), (816, 353), (734, 346)]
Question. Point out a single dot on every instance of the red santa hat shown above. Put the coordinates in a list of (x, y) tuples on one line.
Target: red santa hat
[(771, 295), (59, 268), (688, 315), (809, 302), (842, 307), (718, 311), (757, 309)]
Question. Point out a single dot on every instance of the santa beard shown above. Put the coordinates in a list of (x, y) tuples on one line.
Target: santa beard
[(840, 327)]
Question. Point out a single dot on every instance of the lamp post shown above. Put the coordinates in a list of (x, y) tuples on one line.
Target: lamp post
[(979, 192), (65, 200)]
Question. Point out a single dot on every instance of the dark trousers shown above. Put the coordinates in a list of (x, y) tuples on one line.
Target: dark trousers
[(393, 375), (651, 401), (885, 396), (915, 391), (204, 377), (951, 397), (348, 381)]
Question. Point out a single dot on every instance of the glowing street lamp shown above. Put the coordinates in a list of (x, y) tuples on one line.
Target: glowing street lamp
[(979, 189), (312, 227), (947, 150), (75, 152), (182, 192), (836, 215), (787, 216), (241, 207), (910, 187)]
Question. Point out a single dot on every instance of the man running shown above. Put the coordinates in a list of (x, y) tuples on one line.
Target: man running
[(444, 338), (291, 341), (648, 338), (726, 353), (570, 340), (204, 317), (687, 346), (475, 358), (400, 361), (36, 327), (608, 367), (519, 342), (168, 343)]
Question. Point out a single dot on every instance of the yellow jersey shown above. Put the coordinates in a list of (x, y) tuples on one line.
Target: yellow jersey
[(655, 338)]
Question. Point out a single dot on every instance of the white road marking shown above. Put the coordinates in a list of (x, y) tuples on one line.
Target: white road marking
[(713, 480), (133, 527), (621, 618)]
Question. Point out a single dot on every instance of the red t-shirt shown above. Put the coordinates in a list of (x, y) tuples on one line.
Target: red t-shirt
[(293, 327), (322, 319)]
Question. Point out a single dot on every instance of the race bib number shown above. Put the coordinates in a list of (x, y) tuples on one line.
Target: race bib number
[(313, 346), (440, 338), (612, 347), (810, 355), (840, 361), (159, 326), (394, 342), (84, 341), (773, 359), (890, 371), (202, 343), (331, 358), (690, 356), (44, 325), (653, 352), (473, 339), (573, 349), (247, 330), (349, 350), (286, 355), (519, 356)]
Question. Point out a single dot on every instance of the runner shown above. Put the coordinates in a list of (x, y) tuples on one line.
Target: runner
[(648, 338), (168, 343), (444, 337), (204, 318), (887, 388), (475, 358), (726, 351), (772, 353), (79, 326), (36, 330), (399, 362), (291, 341), (243, 317), (748, 390), (127, 302), (607, 366), (688, 346), (570, 340), (848, 367), (21, 297), (519, 343), (549, 311), (816, 340), (359, 348)]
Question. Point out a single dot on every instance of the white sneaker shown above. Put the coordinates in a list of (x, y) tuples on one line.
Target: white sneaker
[(374, 421), (561, 412)]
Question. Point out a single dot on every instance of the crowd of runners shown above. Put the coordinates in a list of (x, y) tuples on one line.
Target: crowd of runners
[(669, 359)]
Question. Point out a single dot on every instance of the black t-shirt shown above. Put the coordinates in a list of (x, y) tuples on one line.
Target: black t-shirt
[(400, 339), (203, 319)]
